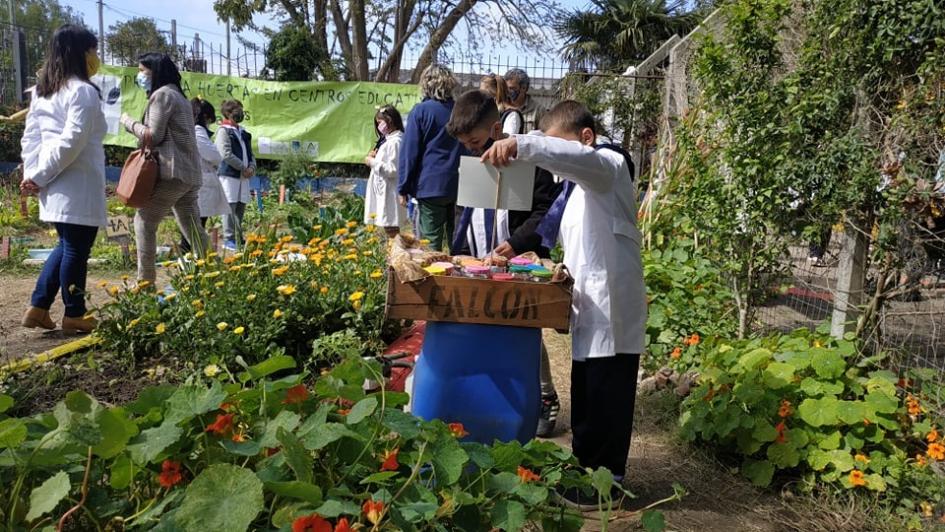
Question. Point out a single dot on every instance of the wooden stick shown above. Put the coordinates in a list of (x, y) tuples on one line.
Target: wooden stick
[(5, 248), (495, 215)]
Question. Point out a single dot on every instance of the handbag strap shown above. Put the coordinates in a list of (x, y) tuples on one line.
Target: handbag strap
[(146, 139)]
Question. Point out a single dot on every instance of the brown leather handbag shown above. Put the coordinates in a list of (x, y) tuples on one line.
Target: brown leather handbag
[(138, 176)]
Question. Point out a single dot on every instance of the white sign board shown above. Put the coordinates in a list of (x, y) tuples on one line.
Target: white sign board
[(479, 183)]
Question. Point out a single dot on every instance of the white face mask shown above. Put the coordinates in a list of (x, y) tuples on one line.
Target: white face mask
[(144, 81), (383, 127)]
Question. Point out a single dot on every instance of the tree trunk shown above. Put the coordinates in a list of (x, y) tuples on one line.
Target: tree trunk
[(439, 36), (389, 71), (359, 52), (344, 39), (321, 24)]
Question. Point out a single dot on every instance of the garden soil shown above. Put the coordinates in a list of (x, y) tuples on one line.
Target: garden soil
[(716, 498)]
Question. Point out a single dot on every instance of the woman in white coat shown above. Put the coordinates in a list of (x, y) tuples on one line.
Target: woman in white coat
[(64, 163), (211, 201), (381, 203)]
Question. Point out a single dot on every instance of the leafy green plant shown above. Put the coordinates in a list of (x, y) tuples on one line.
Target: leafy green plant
[(247, 450), (293, 167), (806, 404)]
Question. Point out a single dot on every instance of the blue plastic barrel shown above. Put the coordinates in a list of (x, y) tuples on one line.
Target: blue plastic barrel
[(483, 376)]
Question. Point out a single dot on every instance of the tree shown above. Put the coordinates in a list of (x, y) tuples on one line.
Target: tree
[(615, 33), (128, 40), (360, 28), (39, 19), (295, 55)]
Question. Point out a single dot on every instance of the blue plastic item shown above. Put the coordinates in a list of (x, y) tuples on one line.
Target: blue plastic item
[(483, 376)]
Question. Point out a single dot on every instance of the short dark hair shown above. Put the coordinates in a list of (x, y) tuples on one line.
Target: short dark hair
[(65, 58), (570, 115), (391, 115), (520, 76), (202, 110), (228, 106), (472, 110), (163, 71)]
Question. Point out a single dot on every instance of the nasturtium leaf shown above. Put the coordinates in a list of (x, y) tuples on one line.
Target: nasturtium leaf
[(508, 455), (152, 442), (754, 358), (602, 480), (151, 397), (418, 511), (304, 491), (508, 515), (764, 431), (328, 433), (79, 402), (779, 375), (819, 412), (12, 432), (448, 461), (191, 401), (653, 521), (759, 472), (122, 472), (853, 412), (114, 431), (783, 455), (533, 494), (380, 477), (296, 456), (875, 482), (478, 453), (222, 497), (48, 495), (269, 366), (5, 402), (362, 409), (502, 482), (828, 363), (817, 459), (814, 387), (831, 441), (882, 402), (156, 512), (244, 448), (286, 419), (404, 424), (333, 508)]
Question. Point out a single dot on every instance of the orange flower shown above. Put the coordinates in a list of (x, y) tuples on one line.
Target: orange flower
[(936, 451), (781, 428), (931, 437), (676, 353), (857, 478), (373, 510), (295, 395), (458, 430), (343, 525), (785, 410), (170, 474), (311, 523), (692, 340), (913, 405), (223, 424), (226, 407), (860, 457), (239, 437), (527, 475), (389, 461), (920, 461)]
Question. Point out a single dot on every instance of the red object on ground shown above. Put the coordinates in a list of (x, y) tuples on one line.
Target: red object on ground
[(410, 342)]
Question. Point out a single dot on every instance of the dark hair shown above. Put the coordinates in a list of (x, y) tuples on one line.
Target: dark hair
[(570, 115), (391, 115), (163, 71), (520, 76), (472, 110), (65, 58), (203, 109), (228, 106)]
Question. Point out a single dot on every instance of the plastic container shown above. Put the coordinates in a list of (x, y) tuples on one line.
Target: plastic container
[(477, 272), (519, 261), (541, 276), (435, 270), (503, 277), (520, 272), (490, 387), (448, 267)]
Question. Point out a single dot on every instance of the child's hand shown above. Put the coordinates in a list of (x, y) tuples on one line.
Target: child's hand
[(501, 153), (248, 171), (505, 250)]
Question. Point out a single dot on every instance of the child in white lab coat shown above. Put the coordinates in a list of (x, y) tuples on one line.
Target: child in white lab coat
[(381, 202), (595, 218)]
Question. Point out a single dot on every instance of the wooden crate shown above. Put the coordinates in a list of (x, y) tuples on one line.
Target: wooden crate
[(464, 300)]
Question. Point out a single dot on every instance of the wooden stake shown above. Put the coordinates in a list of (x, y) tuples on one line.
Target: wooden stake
[(5, 248), (24, 207), (281, 194), (214, 238)]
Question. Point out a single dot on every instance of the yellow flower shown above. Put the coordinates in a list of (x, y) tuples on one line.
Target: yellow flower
[(212, 370), (324, 290), (197, 303), (235, 268), (124, 277), (859, 457), (201, 262), (189, 277), (926, 508), (356, 305), (219, 285), (256, 253), (370, 228), (373, 215), (341, 232), (377, 274), (211, 254), (277, 313), (352, 256), (367, 253), (357, 296), (239, 330), (286, 289), (211, 275), (222, 326), (251, 298), (348, 242), (200, 314), (352, 224), (286, 239), (113, 291), (280, 271), (424, 242), (144, 284), (160, 328), (132, 323), (170, 297)]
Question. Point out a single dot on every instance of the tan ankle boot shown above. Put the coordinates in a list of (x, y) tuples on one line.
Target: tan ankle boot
[(78, 325), (37, 317)]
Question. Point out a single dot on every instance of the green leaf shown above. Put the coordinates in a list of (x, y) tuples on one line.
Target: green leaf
[(156, 512), (508, 455), (191, 401), (286, 419), (295, 489), (115, 434), (79, 402), (764, 431), (380, 477), (783, 455), (815, 387), (759, 472), (418, 511), (754, 358), (404, 424), (831, 441), (48, 495), (267, 367), (653, 521), (333, 508), (602, 480), (508, 515), (296, 456), (5, 402), (364, 408), (503, 482), (123, 471), (329, 433), (448, 461), (819, 412), (151, 397), (882, 402), (153, 441), (12, 432), (827, 363), (478, 453), (532, 494), (853, 412), (779, 375), (222, 497)]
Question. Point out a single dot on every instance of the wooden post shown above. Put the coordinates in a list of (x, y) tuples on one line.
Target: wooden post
[(281, 194), (125, 249), (24, 207), (851, 274), (214, 238), (5, 248)]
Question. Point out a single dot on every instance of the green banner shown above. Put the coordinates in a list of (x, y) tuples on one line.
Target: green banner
[(330, 121)]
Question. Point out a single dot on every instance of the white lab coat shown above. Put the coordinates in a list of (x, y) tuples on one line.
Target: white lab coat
[(63, 154), (236, 190), (380, 199), (211, 200), (601, 245)]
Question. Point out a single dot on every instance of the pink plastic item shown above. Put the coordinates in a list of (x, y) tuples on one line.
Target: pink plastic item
[(519, 261)]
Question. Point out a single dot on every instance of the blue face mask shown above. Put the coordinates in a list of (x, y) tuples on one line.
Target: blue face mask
[(514, 94), (144, 81)]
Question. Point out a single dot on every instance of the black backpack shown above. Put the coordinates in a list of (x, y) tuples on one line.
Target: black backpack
[(619, 149)]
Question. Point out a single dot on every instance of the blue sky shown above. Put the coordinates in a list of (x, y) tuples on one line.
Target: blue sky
[(197, 16)]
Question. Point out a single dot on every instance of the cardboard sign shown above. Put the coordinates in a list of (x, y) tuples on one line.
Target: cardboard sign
[(118, 226), (479, 183)]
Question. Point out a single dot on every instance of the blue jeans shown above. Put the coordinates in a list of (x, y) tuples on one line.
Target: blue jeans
[(66, 269)]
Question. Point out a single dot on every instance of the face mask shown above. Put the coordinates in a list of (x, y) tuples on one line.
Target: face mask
[(383, 128), (144, 81), (514, 94), (237, 116), (91, 63)]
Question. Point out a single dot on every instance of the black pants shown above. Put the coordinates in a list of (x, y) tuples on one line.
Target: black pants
[(603, 392), (184, 244)]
